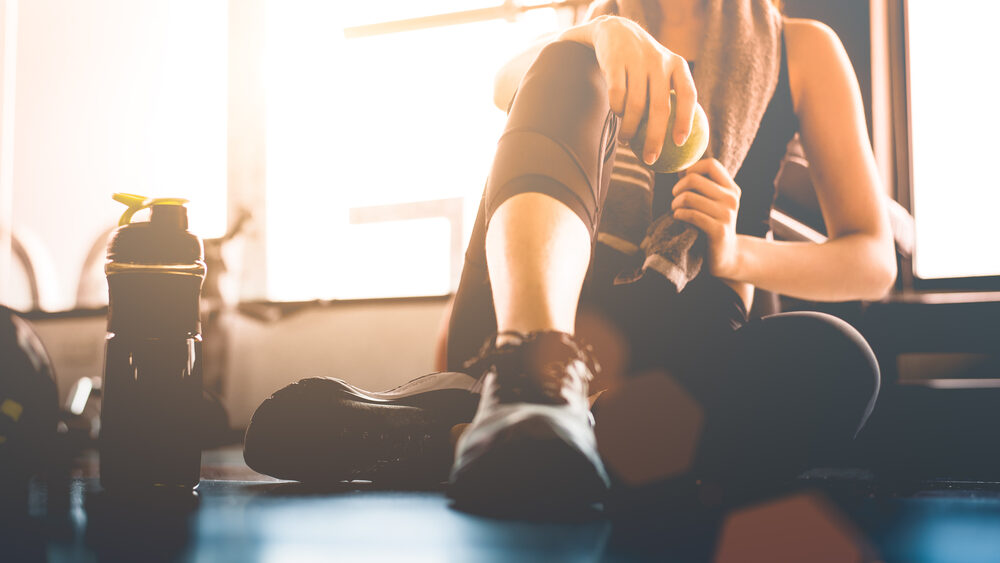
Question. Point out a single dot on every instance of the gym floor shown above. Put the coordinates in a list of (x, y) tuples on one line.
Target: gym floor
[(239, 515)]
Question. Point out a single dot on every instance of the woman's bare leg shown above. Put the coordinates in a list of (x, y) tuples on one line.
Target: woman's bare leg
[(537, 253), (531, 441)]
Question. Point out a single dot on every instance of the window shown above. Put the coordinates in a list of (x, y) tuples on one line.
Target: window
[(378, 147), (105, 96), (954, 118)]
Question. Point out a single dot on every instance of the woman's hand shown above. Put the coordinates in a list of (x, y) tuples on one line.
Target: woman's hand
[(708, 198), (635, 64)]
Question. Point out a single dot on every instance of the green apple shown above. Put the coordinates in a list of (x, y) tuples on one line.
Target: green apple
[(674, 158)]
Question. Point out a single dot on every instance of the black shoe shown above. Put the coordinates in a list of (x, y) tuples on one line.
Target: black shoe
[(324, 429), (531, 444)]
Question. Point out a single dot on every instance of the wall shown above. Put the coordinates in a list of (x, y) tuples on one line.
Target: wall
[(375, 345)]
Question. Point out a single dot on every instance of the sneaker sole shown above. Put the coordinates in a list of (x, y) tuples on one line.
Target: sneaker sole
[(324, 429)]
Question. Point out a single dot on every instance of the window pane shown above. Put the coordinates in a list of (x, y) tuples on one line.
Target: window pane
[(413, 261), (114, 96), (954, 118), (390, 119)]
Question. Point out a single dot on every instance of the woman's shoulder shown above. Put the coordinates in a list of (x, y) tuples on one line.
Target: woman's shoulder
[(815, 54), (803, 36)]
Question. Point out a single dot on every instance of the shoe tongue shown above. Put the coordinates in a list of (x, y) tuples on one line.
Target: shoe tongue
[(542, 353), (538, 352), (535, 368), (548, 348)]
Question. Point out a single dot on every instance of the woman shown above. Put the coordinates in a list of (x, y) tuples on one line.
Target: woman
[(778, 388), (571, 222)]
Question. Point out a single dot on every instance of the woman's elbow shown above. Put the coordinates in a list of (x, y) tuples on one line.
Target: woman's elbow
[(884, 279), (881, 270)]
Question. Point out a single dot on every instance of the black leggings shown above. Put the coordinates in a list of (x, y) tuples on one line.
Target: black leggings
[(793, 385)]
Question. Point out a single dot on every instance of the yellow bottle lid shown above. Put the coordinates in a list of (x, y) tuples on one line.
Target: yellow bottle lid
[(136, 203)]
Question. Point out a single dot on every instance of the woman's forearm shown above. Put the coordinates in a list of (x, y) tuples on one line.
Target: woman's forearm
[(850, 267)]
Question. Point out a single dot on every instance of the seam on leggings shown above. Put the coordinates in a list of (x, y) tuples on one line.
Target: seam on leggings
[(573, 157), (575, 204), (610, 142)]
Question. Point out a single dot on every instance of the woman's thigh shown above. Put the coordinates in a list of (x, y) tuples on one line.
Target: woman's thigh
[(793, 389)]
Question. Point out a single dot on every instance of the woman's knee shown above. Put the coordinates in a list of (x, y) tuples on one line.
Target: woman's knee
[(568, 63), (813, 365), (819, 349), (559, 135), (563, 95)]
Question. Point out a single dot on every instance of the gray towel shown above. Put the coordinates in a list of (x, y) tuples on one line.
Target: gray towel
[(736, 73)]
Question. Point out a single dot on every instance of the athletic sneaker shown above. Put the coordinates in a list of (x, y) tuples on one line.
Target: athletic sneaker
[(324, 429), (531, 444)]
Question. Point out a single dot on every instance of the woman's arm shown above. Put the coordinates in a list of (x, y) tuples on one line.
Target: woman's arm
[(858, 260)]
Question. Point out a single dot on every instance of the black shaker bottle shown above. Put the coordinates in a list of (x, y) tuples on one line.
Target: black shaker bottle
[(153, 366)]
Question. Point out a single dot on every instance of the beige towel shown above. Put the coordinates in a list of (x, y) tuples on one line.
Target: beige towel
[(735, 74)]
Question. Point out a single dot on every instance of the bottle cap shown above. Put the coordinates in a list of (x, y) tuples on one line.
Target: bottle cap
[(163, 240), (136, 203)]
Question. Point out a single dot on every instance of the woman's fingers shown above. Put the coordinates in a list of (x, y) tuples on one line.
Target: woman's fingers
[(714, 170), (608, 36), (657, 118), (617, 86), (687, 98), (696, 201), (712, 227), (640, 74), (726, 195), (635, 104)]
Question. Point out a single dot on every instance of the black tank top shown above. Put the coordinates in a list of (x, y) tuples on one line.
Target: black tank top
[(756, 176)]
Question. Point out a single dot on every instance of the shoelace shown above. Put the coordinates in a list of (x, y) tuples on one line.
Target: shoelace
[(516, 378)]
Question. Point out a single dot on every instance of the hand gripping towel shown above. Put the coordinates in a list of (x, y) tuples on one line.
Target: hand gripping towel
[(735, 76)]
